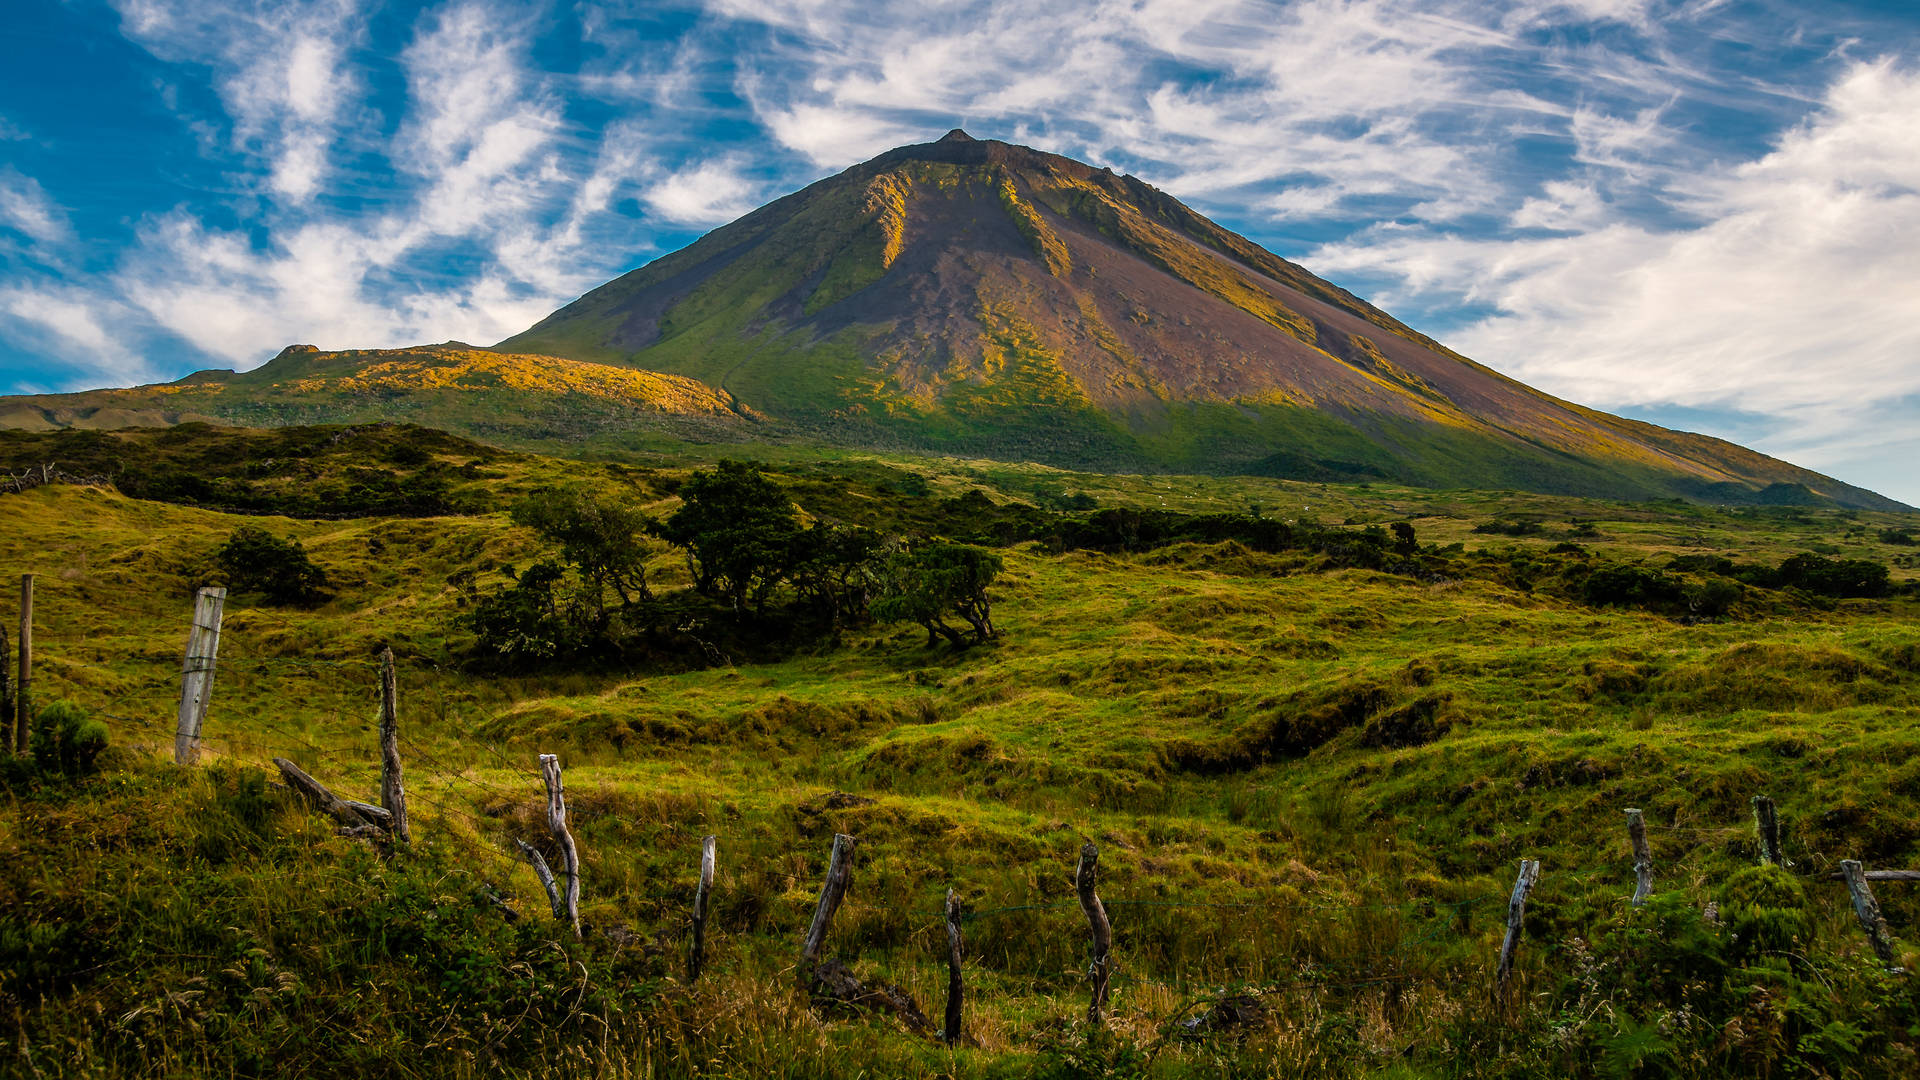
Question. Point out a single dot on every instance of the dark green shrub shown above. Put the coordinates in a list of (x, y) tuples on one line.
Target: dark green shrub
[(1510, 528), (1765, 909), (1713, 598), (1840, 578), (1631, 585), (256, 561), (66, 740), (522, 624)]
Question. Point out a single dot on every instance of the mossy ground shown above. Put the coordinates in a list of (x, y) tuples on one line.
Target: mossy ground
[(1191, 710)]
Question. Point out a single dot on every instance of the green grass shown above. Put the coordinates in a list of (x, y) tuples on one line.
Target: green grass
[(159, 921)]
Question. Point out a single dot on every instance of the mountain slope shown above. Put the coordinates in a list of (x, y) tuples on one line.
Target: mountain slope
[(978, 297), (453, 386)]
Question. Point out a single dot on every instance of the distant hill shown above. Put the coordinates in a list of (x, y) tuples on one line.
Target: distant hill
[(984, 298), (455, 387)]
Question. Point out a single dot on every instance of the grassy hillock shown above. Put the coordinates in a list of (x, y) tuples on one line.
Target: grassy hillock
[(1309, 778), (505, 398)]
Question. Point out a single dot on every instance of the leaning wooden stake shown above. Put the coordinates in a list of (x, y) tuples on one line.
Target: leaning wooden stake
[(955, 988), (1642, 858), (833, 888), (1516, 915), (23, 684), (196, 673), (1768, 828), (1867, 910), (545, 873), (393, 793), (1100, 968), (557, 824), (696, 956), (350, 815)]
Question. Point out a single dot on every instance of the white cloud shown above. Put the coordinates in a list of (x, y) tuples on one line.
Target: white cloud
[(711, 193), (76, 323), (1799, 297), (1562, 206), (25, 208), (279, 69)]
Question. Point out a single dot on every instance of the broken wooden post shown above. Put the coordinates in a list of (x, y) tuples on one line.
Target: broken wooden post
[(1516, 914), (833, 888), (1867, 910), (317, 795), (1100, 968), (393, 794), (1768, 828), (23, 684), (1642, 858), (557, 824), (1880, 875), (377, 815), (951, 1032), (196, 673), (545, 873), (696, 955)]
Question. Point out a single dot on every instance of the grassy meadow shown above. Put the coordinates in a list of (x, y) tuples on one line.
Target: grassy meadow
[(1309, 784)]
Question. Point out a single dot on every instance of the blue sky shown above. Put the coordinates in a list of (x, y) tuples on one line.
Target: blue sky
[(1701, 212)]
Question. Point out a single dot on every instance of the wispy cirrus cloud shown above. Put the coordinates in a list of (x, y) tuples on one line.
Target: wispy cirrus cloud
[(1786, 300), (26, 209)]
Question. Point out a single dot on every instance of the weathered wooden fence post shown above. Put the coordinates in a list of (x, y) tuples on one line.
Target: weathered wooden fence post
[(545, 873), (6, 692), (393, 793), (833, 888), (955, 987), (696, 955), (1867, 910), (1100, 968), (1642, 858), (1516, 915), (1767, 826), (23, 685), (557, 824), (196, 673)]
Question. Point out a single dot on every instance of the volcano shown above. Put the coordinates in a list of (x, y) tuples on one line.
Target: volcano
[(975, 297)]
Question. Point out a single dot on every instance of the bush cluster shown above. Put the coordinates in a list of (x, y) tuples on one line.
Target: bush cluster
[(760, 576), (67, 741)]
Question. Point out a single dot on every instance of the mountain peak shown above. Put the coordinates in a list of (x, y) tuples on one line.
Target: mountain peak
[(980, 297)]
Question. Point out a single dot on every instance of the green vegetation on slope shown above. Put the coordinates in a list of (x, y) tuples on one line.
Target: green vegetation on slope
[(1306, 778)]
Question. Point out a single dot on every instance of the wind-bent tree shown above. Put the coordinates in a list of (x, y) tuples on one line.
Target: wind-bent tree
[(931, 584), (599, 536)]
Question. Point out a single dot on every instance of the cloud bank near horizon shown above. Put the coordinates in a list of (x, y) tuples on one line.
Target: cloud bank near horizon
[(1700, 212)]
